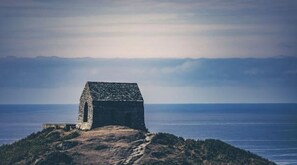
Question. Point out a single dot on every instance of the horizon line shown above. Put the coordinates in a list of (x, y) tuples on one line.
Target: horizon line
[(143, 58), (1, 104)]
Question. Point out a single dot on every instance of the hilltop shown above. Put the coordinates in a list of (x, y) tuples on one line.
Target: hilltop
[(121, 145)]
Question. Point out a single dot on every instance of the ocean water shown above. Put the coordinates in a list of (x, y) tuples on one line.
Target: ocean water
[(269, 130)]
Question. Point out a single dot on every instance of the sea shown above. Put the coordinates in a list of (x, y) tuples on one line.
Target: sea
[(269, 130)]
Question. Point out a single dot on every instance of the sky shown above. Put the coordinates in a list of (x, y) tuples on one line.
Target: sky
[(205, 80), (178, 51), (143, 29)]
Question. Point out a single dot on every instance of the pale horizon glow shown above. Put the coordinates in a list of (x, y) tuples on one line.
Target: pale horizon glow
[(178, 51), (148, 29)]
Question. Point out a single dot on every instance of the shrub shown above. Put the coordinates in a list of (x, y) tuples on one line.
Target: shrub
[(158, 154), (101, 147), (55, 158), (166, 139), (71, 136)]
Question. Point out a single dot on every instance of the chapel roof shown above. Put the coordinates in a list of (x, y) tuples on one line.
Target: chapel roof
[(114, 91)]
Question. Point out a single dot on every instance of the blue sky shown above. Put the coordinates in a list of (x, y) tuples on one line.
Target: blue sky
[(187, 51)]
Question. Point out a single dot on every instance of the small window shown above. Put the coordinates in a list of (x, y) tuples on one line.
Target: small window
[(86, 111)]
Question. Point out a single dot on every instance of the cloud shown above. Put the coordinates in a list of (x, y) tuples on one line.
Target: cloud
[(58, 72), (150, 29), (59, 80), (137, 28)]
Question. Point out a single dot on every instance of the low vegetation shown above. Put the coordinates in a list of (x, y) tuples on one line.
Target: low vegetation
[(32, 146), (113, 145), (166, 148)]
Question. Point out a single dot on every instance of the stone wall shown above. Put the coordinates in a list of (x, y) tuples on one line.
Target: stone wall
[(59, 126), (101, 113), (85, 98), (124, 113)]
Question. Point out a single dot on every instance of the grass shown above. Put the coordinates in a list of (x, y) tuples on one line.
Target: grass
[(34, 144), (48, 147), (167, 147)]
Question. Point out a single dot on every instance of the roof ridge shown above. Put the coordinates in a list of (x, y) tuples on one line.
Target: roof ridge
[(111, 82), (114, 91)]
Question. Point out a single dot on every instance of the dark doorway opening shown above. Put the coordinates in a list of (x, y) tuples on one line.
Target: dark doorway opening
[(86, 111), (128, 121)]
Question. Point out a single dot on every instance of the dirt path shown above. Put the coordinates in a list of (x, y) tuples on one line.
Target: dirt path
[(138, 152)]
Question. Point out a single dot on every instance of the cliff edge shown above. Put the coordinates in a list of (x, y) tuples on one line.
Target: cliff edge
[(121, 145)]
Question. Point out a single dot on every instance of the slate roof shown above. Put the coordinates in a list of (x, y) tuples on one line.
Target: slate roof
[(111, 91)]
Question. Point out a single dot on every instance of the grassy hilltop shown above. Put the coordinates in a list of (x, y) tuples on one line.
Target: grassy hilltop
[(120, 145)]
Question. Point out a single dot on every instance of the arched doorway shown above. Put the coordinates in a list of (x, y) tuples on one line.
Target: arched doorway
[(86, 111)]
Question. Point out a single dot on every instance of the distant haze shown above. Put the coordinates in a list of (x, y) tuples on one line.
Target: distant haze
[(148, 29), (232, 80), (178, 51)]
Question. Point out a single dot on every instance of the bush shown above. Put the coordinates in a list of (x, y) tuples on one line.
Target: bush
[(166, 139), (101, 147), (53, 136), (158, 154), (55, 158), (71, 136), (65, 145), (34, 144)]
